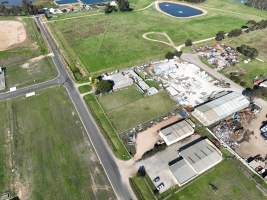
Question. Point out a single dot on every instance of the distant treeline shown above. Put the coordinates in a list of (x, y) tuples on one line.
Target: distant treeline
[(27, 8), (261, 4)]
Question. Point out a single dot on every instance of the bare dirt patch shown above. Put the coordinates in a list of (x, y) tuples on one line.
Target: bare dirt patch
[(146, 140), (256, 144), (11, 33)]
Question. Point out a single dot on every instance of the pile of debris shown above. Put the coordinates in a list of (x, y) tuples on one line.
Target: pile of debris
[(232, 130), (220, 56), (259, 164)]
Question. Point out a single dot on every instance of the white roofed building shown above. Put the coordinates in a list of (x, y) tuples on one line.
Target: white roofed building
[(220, 108), (194, 160), (120, 80), (176, 131)]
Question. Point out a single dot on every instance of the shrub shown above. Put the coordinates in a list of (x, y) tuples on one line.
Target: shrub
[(188, 43), (235, 33), (248, 51), (220, 36)]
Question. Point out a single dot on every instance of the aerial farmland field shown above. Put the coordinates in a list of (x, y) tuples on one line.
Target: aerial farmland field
[(105, 42), (45, 152)]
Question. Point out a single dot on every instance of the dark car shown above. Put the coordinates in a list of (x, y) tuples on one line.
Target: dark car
[(264, 134)]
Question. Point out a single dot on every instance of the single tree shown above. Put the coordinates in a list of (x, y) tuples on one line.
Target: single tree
[(104, 86)]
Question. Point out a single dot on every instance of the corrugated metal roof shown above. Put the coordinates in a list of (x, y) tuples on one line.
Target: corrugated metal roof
[(220, 108), (176, 131), (201, 155), (194, 160)]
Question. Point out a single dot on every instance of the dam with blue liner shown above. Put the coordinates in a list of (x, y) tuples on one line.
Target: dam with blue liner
[(179, 10)]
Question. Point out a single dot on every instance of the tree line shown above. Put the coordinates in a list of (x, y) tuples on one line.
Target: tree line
[(26, 8), (260, 4)]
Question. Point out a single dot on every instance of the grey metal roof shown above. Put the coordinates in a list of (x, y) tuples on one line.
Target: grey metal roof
[(195, 158), (220, 108), (182, 171), (202, 155), (177, 130)]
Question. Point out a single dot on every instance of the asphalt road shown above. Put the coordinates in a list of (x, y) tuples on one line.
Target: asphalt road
[(104, 154)]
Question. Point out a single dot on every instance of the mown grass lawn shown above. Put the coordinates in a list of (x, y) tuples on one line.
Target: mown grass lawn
[(128, 107), (51, 154), (107, 42), (230, 181)]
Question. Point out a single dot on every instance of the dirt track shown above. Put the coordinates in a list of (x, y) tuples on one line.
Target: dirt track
[(11, 33)]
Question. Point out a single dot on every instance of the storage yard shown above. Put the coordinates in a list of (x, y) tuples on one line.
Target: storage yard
[(186, 83), (219, 56)]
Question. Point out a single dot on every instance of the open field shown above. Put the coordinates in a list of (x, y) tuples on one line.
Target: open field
[(106, 42), (22, 67), (48, 151), (22, 74), (228, 177), (127, 108)]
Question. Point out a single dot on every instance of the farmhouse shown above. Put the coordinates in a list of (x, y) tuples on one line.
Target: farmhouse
[(220, 108), (2, 79), (195, 159), (176, 131)]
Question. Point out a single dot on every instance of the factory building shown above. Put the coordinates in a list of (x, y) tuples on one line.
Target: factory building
[(177, 131), (220, 108), (194, 160)]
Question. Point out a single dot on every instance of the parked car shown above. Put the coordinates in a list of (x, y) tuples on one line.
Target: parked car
[(156, 179), (160, 186)]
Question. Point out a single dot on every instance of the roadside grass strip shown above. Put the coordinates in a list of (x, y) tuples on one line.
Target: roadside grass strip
[(106, 127)]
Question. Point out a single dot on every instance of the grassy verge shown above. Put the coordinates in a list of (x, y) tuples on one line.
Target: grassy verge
[(117, 146), (85, 88), (51, 156), (142, 188)]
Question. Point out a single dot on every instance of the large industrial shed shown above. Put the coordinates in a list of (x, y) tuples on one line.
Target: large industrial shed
[(176, 131), (220, 108), (194, 160)]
